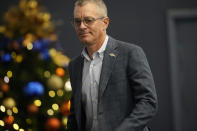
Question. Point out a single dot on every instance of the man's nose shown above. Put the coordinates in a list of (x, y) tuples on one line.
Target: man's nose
[(82, 25)]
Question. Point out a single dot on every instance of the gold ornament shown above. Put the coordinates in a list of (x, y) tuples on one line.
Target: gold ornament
[(2, 29), (29, 38), (9, 103), (27, 17), (55, 82), (58, 58)]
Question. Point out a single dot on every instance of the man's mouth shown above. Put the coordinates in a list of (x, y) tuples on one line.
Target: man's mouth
[(83, 33)]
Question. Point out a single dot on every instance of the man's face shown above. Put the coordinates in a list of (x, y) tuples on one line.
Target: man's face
[(93, 33)]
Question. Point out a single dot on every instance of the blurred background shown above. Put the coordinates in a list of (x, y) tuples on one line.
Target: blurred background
[(165, 29)]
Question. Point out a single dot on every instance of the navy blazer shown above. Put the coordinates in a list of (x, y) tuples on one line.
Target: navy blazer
[(127, 98)]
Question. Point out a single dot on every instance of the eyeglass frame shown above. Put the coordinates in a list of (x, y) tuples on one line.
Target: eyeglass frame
[(84, 21)]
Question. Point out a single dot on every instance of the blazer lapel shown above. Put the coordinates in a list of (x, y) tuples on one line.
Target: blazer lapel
[(110, 56), (79, 67)]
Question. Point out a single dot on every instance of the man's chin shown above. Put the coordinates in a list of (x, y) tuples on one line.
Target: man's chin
[(84, 40)]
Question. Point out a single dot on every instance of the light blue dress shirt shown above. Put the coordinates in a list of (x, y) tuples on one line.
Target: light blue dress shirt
[(90, 82)]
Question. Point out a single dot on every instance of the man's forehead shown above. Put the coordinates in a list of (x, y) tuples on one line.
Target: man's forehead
[(88, 9)]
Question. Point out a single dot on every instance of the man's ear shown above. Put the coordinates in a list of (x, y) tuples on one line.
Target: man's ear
[(106, 22)]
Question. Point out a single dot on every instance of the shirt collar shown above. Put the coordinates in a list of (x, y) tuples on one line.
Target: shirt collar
[(99, 52)]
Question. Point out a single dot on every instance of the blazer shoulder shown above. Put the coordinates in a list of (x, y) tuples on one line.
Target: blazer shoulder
[(75, 60), (126, 46)]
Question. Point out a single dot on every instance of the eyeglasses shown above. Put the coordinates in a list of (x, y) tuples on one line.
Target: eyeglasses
[(87, 21)]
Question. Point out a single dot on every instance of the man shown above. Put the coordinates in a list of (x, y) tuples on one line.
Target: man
[(113, 88)]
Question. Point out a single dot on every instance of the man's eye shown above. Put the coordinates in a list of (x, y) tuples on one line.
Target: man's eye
[(88, 20), (77, 21)]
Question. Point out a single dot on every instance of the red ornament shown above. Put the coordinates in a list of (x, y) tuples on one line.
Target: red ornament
[(60, 72), (65, 108), (16, 45), (32, 109), (4, 87), (8, 120), (52, 124)]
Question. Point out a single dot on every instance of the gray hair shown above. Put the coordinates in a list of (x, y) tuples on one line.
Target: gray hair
[(99, 3)]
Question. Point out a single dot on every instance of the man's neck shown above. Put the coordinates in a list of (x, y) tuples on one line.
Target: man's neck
[(94, 47)]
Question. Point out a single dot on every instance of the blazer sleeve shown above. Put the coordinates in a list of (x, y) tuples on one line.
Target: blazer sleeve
[(141, 82), (71, 124)]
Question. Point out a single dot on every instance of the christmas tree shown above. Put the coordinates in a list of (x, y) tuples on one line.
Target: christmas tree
[(34, 82)]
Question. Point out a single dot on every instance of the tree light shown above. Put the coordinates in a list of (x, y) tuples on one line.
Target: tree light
[(9, 74), (2, 108), (52, 94), (2, 123), (30, 46), (60, 92), (15, 126), (50, 112), (19, 58), (28, 121), (15, 110), (47, 74), (9, 112), (55, 107), (37, 103), (6, 79)]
